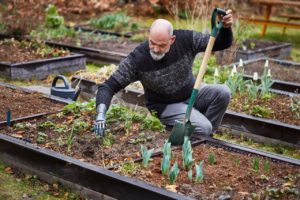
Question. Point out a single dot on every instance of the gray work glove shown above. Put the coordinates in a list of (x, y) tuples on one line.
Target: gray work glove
[(99, 127)]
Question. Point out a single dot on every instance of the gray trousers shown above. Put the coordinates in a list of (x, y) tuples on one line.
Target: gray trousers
[(208, 111)]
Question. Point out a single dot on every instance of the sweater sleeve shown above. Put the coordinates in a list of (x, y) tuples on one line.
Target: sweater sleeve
[(223, 40), (123, 76)]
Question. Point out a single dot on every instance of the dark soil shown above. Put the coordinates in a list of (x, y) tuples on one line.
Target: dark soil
[(13, 51), (232, 175), (278, 71), (116, 147), (276, 108), (108, 43), (24, 104)]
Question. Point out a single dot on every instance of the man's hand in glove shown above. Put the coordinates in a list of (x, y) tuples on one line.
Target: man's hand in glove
[(99, 127)]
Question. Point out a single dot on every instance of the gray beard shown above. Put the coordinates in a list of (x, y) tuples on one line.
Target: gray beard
[(156, 56)]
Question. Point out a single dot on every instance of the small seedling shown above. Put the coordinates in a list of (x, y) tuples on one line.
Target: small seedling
[(199, 172), (41, 138), (255, 164), (173, 173), (267, 166), (108, 139), (211, 158), (47, 124), (146, 155)]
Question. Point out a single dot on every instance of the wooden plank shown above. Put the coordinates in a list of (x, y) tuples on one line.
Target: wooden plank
[(277, 2), (291, 17), (271, 22)]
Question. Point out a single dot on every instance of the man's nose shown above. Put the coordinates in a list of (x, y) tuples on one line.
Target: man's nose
[(156, 49)]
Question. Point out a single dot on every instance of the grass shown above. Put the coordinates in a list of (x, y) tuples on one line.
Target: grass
[(28, 187)]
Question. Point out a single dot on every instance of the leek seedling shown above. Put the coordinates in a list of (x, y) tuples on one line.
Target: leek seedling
[(190, 175), (199, 172), (173, 173), (167, 148), (187, 154), (165, 165), (146, 155)]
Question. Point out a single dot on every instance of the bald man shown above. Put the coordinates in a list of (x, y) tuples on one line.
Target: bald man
[(163, 64)]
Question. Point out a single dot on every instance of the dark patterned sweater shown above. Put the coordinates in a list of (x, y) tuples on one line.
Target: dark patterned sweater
[(168, 80)]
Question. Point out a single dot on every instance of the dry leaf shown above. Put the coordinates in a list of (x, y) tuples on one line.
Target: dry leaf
[(171, 188)]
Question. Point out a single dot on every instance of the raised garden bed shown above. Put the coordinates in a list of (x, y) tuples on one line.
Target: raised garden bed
[(50, 165), (53, 165), (253, 49), (71, 133), (28, 59), (286, 74), (232, 174), (100, 50), (239, 121), (23, 103)]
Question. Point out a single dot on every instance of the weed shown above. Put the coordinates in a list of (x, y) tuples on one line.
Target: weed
[(129, 167), (255, 164)]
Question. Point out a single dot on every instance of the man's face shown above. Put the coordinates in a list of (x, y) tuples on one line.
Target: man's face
[(159, 45)]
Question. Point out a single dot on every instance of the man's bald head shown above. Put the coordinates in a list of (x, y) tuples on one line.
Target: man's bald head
[(160, 38), (162, 26)]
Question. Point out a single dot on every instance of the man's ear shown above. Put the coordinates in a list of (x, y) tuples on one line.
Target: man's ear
[(173, 39)]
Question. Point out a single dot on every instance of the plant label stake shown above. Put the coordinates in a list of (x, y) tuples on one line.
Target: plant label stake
[(8, 117), (185, 127)]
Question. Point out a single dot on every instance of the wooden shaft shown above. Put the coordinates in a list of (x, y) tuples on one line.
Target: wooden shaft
[(203, 66)]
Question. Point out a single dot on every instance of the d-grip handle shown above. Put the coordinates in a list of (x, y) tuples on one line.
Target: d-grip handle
[(67, 86), (216, 27)]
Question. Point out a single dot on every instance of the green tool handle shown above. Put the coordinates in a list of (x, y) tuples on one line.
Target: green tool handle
[(211, 42)]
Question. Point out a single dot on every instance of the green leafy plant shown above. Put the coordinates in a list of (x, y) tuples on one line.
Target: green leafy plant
[(129, 116), (61, 128), (21, 126), (255, 164), (199, 172), (153, 123), (252, 87), (146, 155), (70, 138), (108, 139), (295, 105), (261, 111), (47, 124), (128, 168), (53, 19), (187, 154), (79, 126), (116, 21), (173, 173), (41, 138), (235, 81), (211, 158), (266, 83)]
